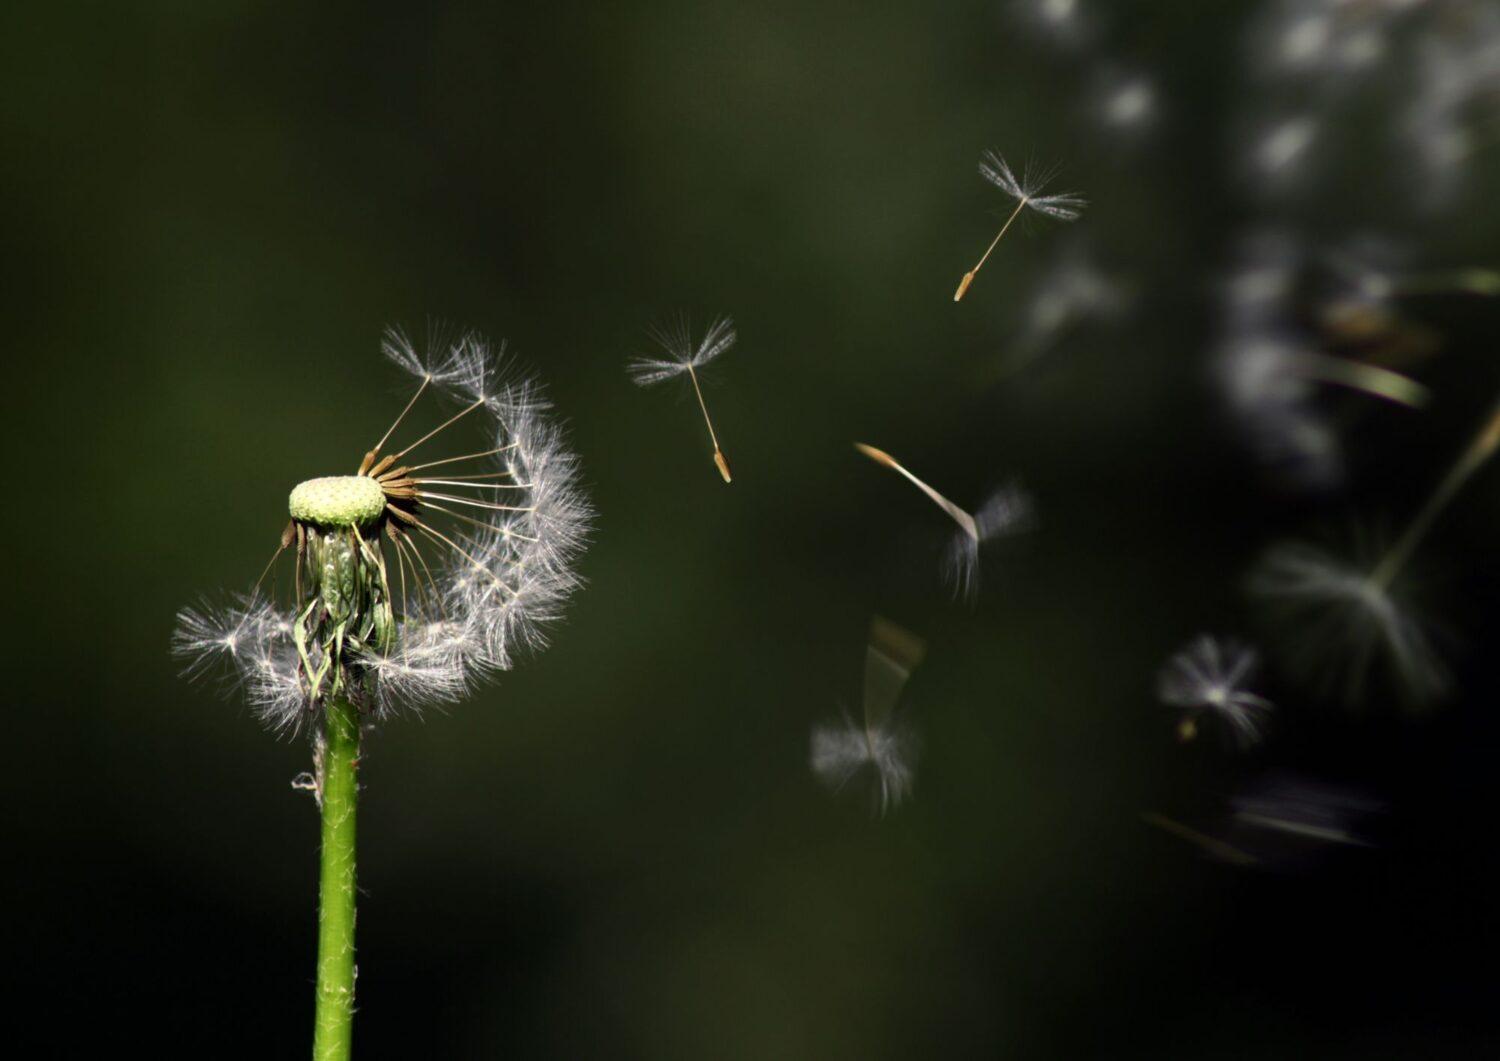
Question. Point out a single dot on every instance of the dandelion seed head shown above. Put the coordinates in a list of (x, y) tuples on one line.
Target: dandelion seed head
[(421, 574), (1209, 676)]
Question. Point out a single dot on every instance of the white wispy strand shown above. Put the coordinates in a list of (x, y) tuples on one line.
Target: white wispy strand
[(676, 342), (250, 640), (1027, 190), (844, 750), (1210, 676)]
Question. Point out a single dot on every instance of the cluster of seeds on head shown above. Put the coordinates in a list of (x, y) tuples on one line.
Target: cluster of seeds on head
[(412, 577)]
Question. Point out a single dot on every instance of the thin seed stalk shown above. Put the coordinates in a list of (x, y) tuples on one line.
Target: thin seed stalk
[(1483, 446), (334, 1020)]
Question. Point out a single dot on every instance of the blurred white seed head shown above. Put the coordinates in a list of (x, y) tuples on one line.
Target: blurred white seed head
[(1009, 510), (880, 748), (1342, 625), (1072, 291), (1063, 23), (684, 357), (1210, 677)]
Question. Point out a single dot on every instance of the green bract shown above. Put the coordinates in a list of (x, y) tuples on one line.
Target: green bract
[(337, 501)]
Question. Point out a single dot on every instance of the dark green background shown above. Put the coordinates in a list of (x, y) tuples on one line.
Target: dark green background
[(212, 210)]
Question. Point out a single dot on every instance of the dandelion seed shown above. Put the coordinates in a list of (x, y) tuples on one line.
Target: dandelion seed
[(1007, 511), (1340, 619), (684, 358), (1209, 677), (879, 744), (1027, 192)]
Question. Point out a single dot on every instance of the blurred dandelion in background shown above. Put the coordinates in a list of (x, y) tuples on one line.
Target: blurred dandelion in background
[(1272, 367), (878, 745), (1008, 510), (683, 357), (1027, 193), (1125, 103), (1210, 677)]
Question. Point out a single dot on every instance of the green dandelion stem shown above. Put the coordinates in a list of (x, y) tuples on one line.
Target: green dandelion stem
[(334, 1021)]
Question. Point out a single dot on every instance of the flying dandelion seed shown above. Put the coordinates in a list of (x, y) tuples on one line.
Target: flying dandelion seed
[(414, 578), (1027, 192), (683, 358), (1311, 811), (1008, 510), (1282, 822), (879, 744), (1339, 620), (1209, 677), (1359, 610)]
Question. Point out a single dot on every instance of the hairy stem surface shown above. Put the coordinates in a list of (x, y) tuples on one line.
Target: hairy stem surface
[(334, 1021)]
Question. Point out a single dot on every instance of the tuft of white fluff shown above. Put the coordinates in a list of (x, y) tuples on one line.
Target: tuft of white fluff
[(1210, 675)]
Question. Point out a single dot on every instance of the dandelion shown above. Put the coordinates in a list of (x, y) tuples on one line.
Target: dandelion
[(1008, 510), (879, 744), (1361, 610), (1209, 676), (683, 357), (413, 579), (1027, 192)]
